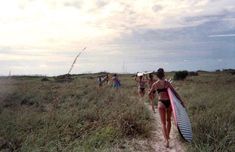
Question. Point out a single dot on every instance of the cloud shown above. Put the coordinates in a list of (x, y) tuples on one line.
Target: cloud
[(76, 4), (157, 8), (222, 35), (43, 29), (60, 24)]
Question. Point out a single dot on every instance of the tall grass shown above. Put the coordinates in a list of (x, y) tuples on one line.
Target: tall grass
[(49, 116), (76, 116), (210, 100)]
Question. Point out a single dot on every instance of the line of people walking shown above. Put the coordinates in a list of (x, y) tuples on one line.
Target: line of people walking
[(104, 79), (147, 82)]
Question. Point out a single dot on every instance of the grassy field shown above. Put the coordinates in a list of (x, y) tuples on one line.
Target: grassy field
[(76, 116), (51, 116), (210, 101)]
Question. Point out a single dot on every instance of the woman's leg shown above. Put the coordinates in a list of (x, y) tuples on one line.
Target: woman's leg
[(162, 112), (168, 126), (141, 92), (151, 98)]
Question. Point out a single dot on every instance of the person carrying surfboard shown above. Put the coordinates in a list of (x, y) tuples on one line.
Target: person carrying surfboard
[(152, 95), (141, 84), (164, 104)]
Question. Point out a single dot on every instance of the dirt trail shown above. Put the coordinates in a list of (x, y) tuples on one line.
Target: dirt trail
[(158, 143)]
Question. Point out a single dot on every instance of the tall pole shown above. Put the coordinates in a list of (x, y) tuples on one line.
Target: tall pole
[(9, 75), (123, 67), (76, 59)]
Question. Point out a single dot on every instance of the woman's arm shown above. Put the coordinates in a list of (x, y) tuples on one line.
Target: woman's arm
[(153, 88), (176, 94), (146, 76), (136, 79)]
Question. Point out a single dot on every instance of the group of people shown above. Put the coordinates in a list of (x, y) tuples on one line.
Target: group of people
[(105, 79), (159, 85)]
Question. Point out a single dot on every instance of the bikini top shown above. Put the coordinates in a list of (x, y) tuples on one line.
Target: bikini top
[(163, 89), (142, 84)]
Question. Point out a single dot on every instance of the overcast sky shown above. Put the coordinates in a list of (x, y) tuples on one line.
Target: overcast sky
[(44, 36)]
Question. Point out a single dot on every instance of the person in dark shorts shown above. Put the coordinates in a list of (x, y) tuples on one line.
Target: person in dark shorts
[(164, 104), (141, 84)]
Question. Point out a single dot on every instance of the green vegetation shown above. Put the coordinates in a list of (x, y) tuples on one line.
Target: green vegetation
[(40, 115), (192, 73), (50, 116), (180, 75), (210, 100)]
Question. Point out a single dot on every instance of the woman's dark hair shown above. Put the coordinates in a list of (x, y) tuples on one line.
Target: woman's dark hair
[(150, 75), (160, 73)]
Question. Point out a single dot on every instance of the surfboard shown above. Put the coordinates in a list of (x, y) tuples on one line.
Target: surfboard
[(140, 74), (181, 117), (143, 73), (148, 72)]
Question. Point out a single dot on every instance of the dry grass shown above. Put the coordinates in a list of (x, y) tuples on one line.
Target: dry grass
[(50, 116), (210, 100)]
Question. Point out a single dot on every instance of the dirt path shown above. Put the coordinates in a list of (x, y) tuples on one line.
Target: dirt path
[(158, 143)]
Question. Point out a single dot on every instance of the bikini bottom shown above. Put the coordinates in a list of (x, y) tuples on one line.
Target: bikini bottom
[(167, 103)]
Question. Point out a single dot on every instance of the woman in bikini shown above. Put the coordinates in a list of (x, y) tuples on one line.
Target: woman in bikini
[(164, 104), (141, 85), (152, 95)]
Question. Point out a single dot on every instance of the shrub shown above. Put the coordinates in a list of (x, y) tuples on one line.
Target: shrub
[(180, 75), (193, 73), (45, 79), (230, 71)]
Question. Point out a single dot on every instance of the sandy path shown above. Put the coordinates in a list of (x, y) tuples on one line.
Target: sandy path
[(158, 143)]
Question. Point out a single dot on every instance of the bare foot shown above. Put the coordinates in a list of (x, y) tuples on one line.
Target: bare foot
[(167, 144)]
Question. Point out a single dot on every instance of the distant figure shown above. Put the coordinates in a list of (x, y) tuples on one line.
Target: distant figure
[(141, 84), (164, 104), (116, 82), (99, 80), (106, 78), (152, 95), (103, 79)]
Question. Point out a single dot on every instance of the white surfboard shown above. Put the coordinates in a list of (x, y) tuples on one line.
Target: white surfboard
[(140, 74), (143, 73)]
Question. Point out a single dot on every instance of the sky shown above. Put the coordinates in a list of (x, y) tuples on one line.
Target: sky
[(44, 36)]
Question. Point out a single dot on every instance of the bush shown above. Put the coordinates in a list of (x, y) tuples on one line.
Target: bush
[(193, 73), (180, 75), (45, 79)]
